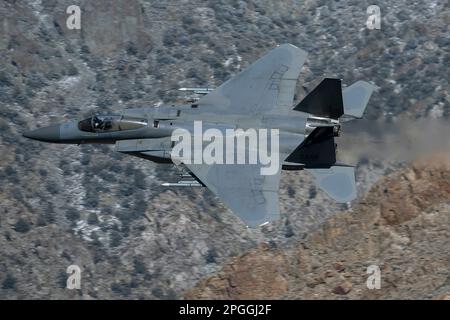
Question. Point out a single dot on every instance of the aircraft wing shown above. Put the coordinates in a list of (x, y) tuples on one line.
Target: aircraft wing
[(268, 84), (251, 196)]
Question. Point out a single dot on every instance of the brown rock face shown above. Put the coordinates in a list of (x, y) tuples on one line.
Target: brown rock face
[(258, 274), (407, 193), (343, 288), (402, 226)]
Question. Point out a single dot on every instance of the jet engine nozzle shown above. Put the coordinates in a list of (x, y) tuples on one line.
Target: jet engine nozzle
[(315, 122)]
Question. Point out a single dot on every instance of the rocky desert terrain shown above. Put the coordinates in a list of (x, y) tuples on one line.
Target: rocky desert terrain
[(133, 239), (402, 226)]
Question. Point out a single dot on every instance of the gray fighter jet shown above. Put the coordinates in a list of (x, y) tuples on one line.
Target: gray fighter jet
[(261, 96)]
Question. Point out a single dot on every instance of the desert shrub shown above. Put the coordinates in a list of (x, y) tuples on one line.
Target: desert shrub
[(72, 70), (116, 238), (312, 192), (9, 282), (92, 218), (132, 48), (52, 187), (139, 179), (22, 226), (139, 265), (122, 289), (140, 206), (91, 199), (158, 293), (5, 79), (291, 192), (46, 217), (211, 256), (72, 214), (11, 174), (169, 38), (288, 230)]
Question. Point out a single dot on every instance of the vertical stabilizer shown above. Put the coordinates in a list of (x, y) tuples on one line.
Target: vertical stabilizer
[(324, 101)]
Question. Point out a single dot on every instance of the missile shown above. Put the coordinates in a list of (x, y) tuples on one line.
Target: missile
[(198, 90), (192, 183), (183, 183)]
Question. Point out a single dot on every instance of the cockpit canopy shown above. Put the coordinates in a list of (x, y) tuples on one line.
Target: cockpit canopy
[(98, 123)]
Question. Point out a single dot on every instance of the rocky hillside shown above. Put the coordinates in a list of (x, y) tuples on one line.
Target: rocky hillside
[(402, 225), (107, 213)]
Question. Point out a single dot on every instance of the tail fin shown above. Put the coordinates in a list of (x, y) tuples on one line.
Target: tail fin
[(325, 100), (318, 150), (338, 182), (330, 101), (356, 98)]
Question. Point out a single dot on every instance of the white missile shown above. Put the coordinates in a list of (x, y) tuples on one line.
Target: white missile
[(198, 90), (182, 183)]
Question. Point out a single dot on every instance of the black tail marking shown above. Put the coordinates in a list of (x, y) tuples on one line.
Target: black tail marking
[(318, 150), (325, 100)]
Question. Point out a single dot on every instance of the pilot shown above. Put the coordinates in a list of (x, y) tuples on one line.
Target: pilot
[(97, 122)]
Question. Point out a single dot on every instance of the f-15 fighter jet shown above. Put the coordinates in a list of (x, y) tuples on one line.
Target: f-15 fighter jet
[(260, 97)]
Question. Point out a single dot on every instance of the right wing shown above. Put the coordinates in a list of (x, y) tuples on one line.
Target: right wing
[(251, 196), (268, 84), (248, 190)]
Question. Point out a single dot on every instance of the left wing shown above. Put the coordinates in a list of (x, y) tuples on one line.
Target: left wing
[(266, 85), (251, 196)]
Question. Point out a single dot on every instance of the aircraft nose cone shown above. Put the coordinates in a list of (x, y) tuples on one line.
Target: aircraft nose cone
[(47, 134)]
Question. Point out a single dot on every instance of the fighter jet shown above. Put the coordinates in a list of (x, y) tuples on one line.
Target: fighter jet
[(261, 97)]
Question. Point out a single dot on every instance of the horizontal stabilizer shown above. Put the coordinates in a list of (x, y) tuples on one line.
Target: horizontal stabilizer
[(324, 101), (338, 182), (356, 98)]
